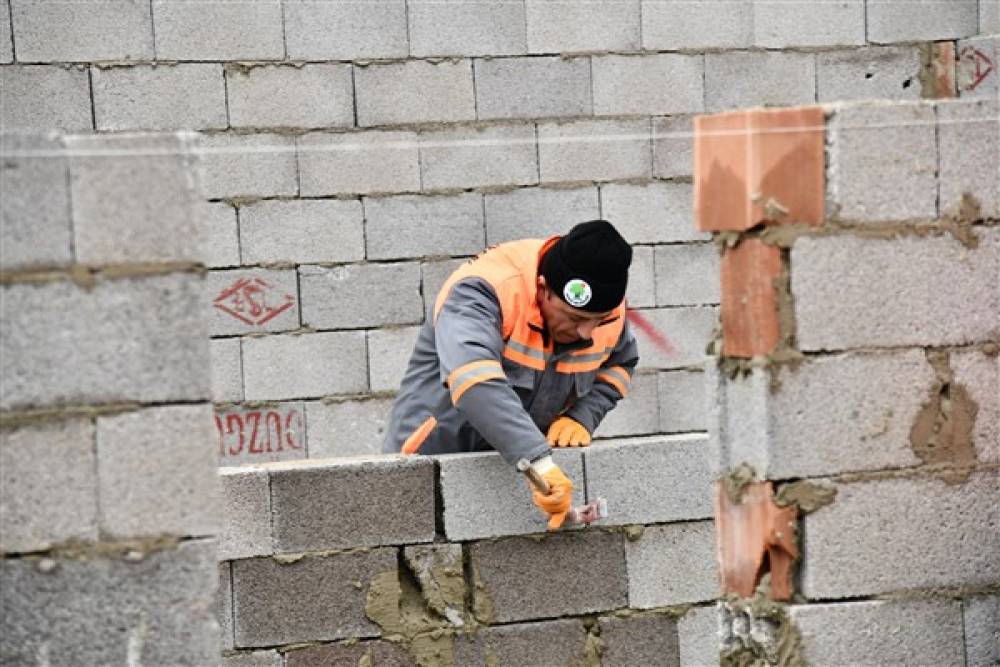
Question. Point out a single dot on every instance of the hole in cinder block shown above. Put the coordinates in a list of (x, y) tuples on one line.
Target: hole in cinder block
[(907, 83)]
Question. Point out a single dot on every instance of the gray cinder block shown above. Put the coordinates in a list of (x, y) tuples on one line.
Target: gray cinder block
[(453, 27), (538, 212), (282, 367), (876, 72), (672, 564), (969, 141), (418, 226), (345, 30), (533, 87), (334, 298), (520, 578), (301, 231), (637, 414), (353, 503), (65, 32), (221, 233), (599, 25), (6, 40), (976, 74), (434, 275), (780, 24), (681, 24), (347, 428), (56, 340), (594, 150), (686, 275), (871, 144), (35, 217), (253, 165), (478, 157), (415, 91), (989, 17), (156, 608), (651, 480), (750, 78), (682, 401), (253, 659), (687, 330), (558, 642), (389, 352), (890, 21), (358, 162), (313, 95), (183, 96), (649, 639), (244, 301), (979, 374), (854, 292), (135, 199), (384, 653), (485, 497), (698, 636), (48, 485), (881, 632), (224, 606), (246, 513), (45, 98), (218, 30), (652, 213), (657, 84), (260, 434), (673, 147), (313, 598), (981, 621), (931, 522), (641, 292), (227, 370), (136, 448)]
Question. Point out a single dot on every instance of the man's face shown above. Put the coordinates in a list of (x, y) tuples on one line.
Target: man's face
[(565, 323)]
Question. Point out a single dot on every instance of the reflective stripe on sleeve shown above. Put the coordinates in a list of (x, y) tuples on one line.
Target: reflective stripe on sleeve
[(471, 374), (618, 378), (418, 437)]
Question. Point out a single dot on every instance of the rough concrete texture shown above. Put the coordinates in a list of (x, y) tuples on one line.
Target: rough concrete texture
[(681, 24), (347, 428), (246, 513), (57, 340), (389, 352), (333, 298), (780, 24), (989, 17), (637, 414), (184, 96), (48, 485), (221, 233), (253, 165), (976, 75), (433, 276), (345, 31), (453, 27), (682, 401), (663, 83), (350, 654), (979, 374), (538, 212), (313, 598), (227, 370), (641, 292), (877, 72), (697, 633), (672, 564), (869, 145), (43, 98), (155, 610), (753, 78), (135, 199), (261, 434), (419, 226), (415, 91), (533, 87), (651, 213), (353, 503), (583, 572), (224, 606), (218, 30), (935, 522), (358, 162), (6, 39), (247, 301), (854, 292), (969, 134), (687, 329), (485, 497), (253, 659), (302, 231), (559, 642), (881, 632), (310, 95), (594, 150), (282, 367), (981, 621), (143, 492), (649, 639), (601, 25), (685, 275), (673, 146), (70, 32), (889, 21), (478, 157), (676, 482), (36, 225)]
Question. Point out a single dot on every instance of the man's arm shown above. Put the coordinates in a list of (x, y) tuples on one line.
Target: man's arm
[(614, 378)]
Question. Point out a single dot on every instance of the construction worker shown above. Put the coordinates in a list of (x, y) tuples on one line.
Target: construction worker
[(526, 347)]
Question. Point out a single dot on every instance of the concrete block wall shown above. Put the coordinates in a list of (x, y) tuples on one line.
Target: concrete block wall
[(444, 561), (354, 152), (108, 485)]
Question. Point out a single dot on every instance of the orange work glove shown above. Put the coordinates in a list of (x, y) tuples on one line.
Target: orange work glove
[(556, 503), (567, 432)]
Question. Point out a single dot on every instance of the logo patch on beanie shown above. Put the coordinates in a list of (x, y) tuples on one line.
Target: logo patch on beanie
[(577, 293)]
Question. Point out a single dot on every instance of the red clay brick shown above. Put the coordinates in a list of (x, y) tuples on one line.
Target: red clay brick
[(750, 323), (758, 166), (943, 69)]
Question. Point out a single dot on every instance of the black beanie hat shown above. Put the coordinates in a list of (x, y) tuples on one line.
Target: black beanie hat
[(588, 268)]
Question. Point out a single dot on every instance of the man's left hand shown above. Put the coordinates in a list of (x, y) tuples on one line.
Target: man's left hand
[(567, 432)]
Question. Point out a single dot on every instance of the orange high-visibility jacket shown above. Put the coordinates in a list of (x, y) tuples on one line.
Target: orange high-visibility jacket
[(484, 373)]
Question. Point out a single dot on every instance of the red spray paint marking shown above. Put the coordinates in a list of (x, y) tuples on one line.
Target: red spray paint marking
[(248, 301), (258, 432), (659, 340), (982, 66)]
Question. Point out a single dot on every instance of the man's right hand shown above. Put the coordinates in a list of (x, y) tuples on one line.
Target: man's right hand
[(556, 503)]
